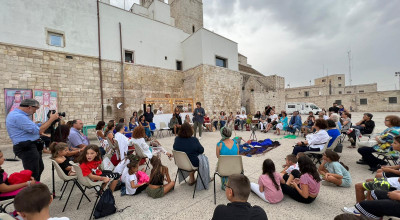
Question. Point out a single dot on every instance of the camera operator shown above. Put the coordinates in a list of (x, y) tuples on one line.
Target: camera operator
[(25, 135)]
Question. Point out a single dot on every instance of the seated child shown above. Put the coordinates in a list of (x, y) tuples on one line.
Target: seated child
[(90, 160), (391, 171), (159, 173), (291, 164), (130, 179), (33, 202), (58, 152), (305, 185), (268, 187), (334, 171), (389, 184), (8, 191), (237, 192)]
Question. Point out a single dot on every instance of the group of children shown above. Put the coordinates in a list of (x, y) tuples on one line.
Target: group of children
[(300, 179)]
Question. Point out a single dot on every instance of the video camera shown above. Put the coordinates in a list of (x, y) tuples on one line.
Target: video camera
[(53, 112)]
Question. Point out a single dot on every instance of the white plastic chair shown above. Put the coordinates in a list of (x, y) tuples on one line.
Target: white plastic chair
[(139, 153), (335, 143), (228, 165), (88, 184), (163, 127), (66, 180), (184, 164), (317, 155), (4, 204)]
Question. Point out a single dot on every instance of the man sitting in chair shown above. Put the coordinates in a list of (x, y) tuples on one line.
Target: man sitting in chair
[(237, 192), (294, 123)]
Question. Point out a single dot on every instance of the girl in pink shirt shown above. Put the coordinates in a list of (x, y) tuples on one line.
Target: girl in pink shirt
[(268, 187)]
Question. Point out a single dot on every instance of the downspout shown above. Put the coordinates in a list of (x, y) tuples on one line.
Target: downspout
[(100, 72), (122, 62)]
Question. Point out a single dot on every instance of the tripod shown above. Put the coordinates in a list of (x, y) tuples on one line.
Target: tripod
[(253, 133)]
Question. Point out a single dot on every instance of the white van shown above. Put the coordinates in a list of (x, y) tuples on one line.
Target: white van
[(302, 107)]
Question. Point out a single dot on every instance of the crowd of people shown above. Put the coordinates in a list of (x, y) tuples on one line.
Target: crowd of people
[(300, 178)]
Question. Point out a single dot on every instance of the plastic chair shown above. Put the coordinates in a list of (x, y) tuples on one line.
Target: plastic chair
[(89, 184), (164, 127), (317, 155), (335, 143), (228, 165), (368, 135), (139, 153), (4, 204), (153, 128), (182, 161), (66, 180)]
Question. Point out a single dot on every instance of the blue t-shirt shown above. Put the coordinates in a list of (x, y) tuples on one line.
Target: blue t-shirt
[(337, 168), (334, 133)]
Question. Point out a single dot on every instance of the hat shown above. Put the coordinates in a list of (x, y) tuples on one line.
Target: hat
[(29, 102)]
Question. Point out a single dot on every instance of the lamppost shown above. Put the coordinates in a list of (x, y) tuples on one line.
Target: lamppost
[(397, 74)]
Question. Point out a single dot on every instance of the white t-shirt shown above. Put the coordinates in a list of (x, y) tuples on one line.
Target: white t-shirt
[(159, 112), (394, 182), (243, 117), (326, 117), (122, 143), (273, 117), (293, 167), (127, 179)]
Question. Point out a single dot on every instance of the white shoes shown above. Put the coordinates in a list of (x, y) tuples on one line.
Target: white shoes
[(351, 210), (199, 138)]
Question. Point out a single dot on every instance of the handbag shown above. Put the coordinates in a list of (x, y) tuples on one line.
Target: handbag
[(339, 148), (106, 164)]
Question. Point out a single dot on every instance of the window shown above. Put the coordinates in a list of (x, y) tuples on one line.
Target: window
[(55, 38), (340, 85), (393, 100), (323, 80), (128, 56), (306, 93), (340, 92), (291, 106), (348, 92), (339, 102), (178, 65), (361, 91), (339, 78), (363, 101), (219, 61)]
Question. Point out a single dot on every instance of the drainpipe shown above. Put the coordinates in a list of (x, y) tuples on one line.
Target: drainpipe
[(122, 62), (100, 73)]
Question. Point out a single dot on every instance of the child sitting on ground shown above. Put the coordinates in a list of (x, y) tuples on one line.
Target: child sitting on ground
[(237, 192), (291, 164), (33, 203), (10, 191), (90, 161), (268, 187), (334, 171), (130, 179), (159, 173), (58, 153), (391, 171)]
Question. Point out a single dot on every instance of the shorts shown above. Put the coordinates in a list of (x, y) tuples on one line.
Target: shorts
[(377, 184), (155, 193), (388, 175), (345, 183)]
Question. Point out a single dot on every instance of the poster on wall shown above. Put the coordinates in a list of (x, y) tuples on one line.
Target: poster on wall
[(47, 100), (13, 97)]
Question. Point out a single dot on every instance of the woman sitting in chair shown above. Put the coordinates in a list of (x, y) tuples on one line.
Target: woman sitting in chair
[(122, 140), (185, 142), (145, 125), (226, 146), (139, 141), (333, 132), (315, 141)]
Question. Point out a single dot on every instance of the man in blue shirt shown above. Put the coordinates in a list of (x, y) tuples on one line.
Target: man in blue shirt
[(25, 135), (295, 123)]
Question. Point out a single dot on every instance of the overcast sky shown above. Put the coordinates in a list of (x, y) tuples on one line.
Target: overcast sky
[(303, 40)]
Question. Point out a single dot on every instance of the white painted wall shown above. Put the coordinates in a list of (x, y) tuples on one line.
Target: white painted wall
[(140, 10), (202, 47), (150, 40), (162, 12), (24, 22)]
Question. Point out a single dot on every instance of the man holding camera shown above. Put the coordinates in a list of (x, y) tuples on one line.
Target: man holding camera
[(25, 135)]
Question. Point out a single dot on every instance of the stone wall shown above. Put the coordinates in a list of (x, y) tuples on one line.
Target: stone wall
[(187, 13), (259, 100)]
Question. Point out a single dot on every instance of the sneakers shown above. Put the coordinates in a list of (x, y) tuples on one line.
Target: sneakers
[(199, 138), (351, 210)]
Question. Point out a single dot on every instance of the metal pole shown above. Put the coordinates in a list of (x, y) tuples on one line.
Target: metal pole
[(100, 73)]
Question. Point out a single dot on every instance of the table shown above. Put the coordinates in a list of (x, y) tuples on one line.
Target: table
[(167, 117), (86, 128)]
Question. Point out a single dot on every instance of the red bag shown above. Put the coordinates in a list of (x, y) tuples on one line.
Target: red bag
[(20, 177), (114, 159)]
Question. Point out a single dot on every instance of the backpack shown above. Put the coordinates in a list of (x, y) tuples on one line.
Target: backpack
[(339, 148), (105, 206)]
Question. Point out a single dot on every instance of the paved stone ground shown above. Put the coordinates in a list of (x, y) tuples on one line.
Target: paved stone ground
[(179, 204)]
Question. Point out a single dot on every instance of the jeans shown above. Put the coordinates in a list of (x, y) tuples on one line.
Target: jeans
[(215, 123), (222, 123), (31, 157), (195, 125)]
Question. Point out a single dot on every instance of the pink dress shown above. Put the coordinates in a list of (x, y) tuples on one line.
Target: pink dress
[(271, 193)]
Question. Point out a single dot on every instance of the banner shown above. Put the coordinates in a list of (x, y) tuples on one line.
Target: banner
[(13, 97), (47, 100)]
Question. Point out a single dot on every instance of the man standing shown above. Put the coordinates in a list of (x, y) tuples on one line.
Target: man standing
[(25, 135), (148, 115), (198, 118), (76, 138), (334, 108)]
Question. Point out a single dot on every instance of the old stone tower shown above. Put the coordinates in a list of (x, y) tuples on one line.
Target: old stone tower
[(147, 3), (188, 14)]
